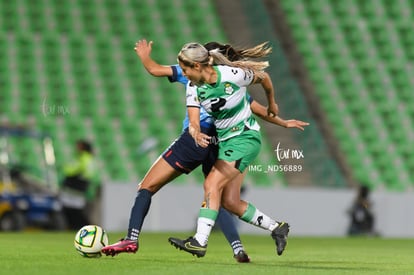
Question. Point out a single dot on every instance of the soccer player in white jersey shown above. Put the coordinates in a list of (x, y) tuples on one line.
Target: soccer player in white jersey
[(219, 86)]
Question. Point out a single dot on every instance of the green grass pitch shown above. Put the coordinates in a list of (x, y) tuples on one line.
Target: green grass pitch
[(53, 253)]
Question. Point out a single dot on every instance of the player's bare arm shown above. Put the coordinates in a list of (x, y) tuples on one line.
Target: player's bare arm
[(261, 111), (266, 82), (143, 50)]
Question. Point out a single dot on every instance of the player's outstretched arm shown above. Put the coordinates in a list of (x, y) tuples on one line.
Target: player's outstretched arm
[(261, 111), (143, 50)]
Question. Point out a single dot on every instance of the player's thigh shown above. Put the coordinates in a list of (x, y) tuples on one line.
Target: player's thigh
[(220, 175), (158, 175)]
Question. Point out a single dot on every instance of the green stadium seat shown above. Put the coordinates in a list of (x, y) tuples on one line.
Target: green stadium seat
[(372, 78), (78, 54), (11, 19)]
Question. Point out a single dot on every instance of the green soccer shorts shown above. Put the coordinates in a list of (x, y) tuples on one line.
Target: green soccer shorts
[(242, 149)]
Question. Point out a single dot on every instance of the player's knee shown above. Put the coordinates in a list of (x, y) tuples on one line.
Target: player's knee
[(212, 185), (150, 186)]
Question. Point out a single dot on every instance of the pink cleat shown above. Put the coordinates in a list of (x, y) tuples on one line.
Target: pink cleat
[(123, 246)]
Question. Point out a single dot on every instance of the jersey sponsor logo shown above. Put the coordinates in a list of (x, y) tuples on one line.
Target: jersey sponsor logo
[(202, 94), (217, 103), (228, 152)]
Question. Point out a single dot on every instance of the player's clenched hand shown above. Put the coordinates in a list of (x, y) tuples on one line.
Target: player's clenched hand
[(273, 110)]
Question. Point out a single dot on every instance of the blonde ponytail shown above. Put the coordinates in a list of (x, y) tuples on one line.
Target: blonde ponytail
[(192, 53), (257, 67)]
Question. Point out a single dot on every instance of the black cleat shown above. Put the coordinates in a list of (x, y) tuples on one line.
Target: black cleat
[(242, 257), (189, 245), (280, 234)]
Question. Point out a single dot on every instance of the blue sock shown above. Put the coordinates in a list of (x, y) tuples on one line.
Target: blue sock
[(138, 213), (226, 222)]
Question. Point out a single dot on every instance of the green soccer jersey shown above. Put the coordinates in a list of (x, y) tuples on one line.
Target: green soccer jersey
[(226, 101)]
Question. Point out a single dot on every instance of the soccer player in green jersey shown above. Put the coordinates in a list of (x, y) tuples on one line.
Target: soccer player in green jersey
[(219, 86), (184, 155)]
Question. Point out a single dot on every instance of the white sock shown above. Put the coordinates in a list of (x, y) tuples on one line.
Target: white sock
[(254, 216), (237, 247), (204, 226)]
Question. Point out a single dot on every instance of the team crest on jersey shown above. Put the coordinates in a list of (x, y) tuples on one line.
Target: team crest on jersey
[(228, 88)]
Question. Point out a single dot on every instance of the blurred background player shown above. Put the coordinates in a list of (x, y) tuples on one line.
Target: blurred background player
[(186, 152), (361, 216), (80, 188)]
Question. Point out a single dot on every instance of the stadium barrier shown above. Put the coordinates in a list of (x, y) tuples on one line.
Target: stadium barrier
[(310, 211)]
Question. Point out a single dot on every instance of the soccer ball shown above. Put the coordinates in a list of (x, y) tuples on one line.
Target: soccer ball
[(89, 241)]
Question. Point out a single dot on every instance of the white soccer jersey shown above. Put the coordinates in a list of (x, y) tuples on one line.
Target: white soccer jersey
[(226, 101)]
